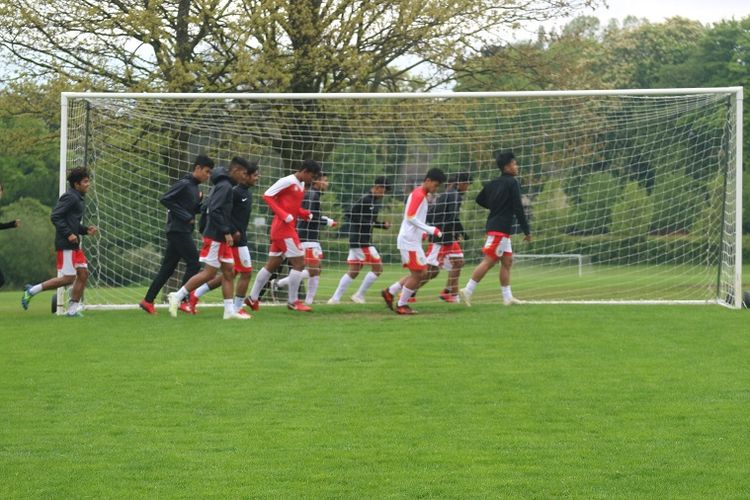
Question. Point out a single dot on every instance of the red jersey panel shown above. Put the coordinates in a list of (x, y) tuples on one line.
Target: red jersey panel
[(285, 198)]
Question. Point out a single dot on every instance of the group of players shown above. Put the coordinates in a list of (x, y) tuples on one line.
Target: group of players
[(294, 237)]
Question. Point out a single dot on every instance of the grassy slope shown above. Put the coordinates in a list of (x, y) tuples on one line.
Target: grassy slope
[(531, 401)]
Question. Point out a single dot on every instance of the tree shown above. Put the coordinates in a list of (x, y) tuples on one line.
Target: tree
[(551, 62), (592, 213), (631, 215), (27, 254), (633, 56), (254, 45)]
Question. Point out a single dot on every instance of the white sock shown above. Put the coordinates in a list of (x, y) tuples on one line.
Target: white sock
[(395, 288), (260, 281), (295, 278), (405, 294), (471, 285), (202, 290), (312, 288), (238, 302), (344, 283), (228, 306), (72, 307), (367, 283), (283, 282), (35, 289), (507, 295), (182, 293)]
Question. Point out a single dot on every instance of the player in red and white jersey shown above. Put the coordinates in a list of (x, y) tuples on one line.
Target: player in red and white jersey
[(285, 199), (409, 242)]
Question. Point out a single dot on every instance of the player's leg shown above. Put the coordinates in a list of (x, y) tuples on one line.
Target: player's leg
[(189, 254), (494, 247), (243, 267), (355, 261), (372, 257), (227, 286), (415, 260), (506, 262), (210, 256), (275, 258), (168, 265), (296, 256), (410, 285), (453, 267), (313, 269), (67, 271)]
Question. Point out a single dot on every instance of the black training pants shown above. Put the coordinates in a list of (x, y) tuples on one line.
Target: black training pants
[(179, 246)]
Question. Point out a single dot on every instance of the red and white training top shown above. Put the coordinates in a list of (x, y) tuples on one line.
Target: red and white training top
[(285, 198), (414, 225)]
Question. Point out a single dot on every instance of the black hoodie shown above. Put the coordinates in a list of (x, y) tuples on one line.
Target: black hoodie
[(182, 202), (67, 217), (502, 196), (220, 206)]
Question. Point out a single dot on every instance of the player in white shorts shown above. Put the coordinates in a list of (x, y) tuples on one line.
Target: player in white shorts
[(409, 242)]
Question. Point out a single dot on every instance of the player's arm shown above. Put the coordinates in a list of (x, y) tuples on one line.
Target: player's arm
[(64, 204), (216, 212), (9, 225), (483, 198), (170, 200), (377, 223), (518, 210), (270, 198), (309, 209), (411, 215)]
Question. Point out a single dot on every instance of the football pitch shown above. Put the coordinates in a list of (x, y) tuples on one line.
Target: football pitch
[(353, 401)]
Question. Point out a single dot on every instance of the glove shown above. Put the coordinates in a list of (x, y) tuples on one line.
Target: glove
[(329, 222), (289, 218)]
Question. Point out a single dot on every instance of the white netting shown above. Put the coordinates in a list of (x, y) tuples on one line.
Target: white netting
[(630, 197)]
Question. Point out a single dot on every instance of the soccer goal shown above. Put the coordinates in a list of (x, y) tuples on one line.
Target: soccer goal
[(646, 184)]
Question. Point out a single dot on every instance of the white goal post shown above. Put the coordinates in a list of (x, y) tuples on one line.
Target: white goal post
[(647, 184)]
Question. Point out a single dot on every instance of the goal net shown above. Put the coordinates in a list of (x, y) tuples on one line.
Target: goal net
[(632, 196)]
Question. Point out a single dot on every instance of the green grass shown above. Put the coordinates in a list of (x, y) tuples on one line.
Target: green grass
[(532, 280), (531, 401)]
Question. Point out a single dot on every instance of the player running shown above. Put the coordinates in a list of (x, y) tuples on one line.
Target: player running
[(285, 199), (363, 217), (309, 234), (242, 204), (67, 217), (409, 242), (183, 202), (446, 251), (502, 197)]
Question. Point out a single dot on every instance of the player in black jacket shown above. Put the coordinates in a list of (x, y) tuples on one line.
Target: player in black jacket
[(183, 202), (445, 251), (6, 225), (67, 217), (309, 235), (218, 239), (502, 196), (242, 205), (363, 217)]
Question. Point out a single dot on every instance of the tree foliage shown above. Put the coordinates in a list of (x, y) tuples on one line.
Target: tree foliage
[(254, 45)]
